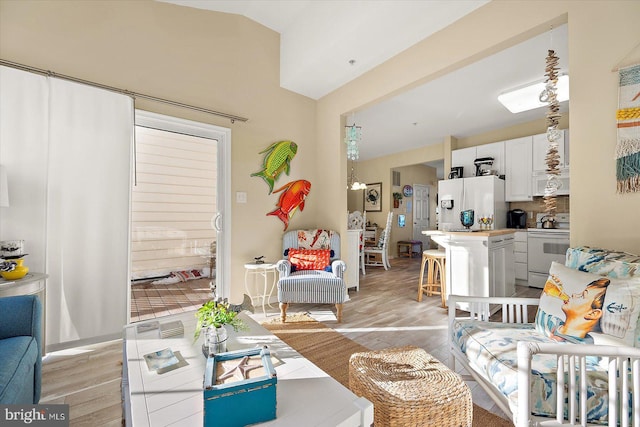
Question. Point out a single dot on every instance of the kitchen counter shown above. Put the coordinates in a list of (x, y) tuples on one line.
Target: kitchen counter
[(478, 233), (479, 263)]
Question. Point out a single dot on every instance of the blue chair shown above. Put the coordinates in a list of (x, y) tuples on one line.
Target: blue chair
[(20, 349)]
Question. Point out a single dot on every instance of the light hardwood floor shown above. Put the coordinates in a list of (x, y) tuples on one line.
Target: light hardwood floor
[(384, 313)]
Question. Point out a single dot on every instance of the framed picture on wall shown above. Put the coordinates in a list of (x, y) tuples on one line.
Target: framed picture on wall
[(373, 197)]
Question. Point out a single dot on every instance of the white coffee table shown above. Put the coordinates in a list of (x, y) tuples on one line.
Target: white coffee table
[(305, 394)]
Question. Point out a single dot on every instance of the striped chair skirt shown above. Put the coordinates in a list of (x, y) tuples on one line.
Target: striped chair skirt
[(312, 286)]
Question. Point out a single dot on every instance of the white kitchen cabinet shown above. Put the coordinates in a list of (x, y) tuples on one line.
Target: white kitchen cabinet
[(495, 150), (540, 182), (539, 151), (520, 257), (518, 169), (501, 266), (540, 144), (352, 274), (465, 157)]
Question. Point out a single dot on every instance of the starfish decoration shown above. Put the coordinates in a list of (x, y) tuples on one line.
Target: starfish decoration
[(241, 370)]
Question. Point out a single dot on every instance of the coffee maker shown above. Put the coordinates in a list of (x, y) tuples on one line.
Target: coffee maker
[(516, 218)]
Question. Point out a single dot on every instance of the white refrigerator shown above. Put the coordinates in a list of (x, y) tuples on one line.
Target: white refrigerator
[(483, 194)]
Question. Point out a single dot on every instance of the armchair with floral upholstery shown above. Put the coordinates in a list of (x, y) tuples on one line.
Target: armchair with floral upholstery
[(312, 271)]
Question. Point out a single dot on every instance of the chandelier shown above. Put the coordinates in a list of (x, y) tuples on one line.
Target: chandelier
[(352, 137), (354, 184)]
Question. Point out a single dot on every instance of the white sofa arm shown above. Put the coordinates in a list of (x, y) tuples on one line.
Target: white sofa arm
[(514, 309), (622, 360), (284, 268), (338, 267)]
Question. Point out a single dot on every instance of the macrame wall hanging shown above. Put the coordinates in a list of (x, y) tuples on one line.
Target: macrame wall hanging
[(549, 94), (628, 117)]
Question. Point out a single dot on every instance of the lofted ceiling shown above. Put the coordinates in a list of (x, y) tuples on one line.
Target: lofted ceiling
[(319, 38)]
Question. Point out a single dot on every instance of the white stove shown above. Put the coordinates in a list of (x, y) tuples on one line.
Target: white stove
[(545, 245), (562, 223)]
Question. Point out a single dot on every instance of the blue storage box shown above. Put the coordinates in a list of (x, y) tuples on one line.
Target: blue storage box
[(243, 401)]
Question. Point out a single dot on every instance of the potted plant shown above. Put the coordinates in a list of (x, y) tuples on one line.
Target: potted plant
[(212, 317), (396, 199)]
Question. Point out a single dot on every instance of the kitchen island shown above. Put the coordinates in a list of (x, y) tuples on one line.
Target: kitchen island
[(479, 263)]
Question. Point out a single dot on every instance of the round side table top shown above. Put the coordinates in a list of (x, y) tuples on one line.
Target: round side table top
[(260, 266)]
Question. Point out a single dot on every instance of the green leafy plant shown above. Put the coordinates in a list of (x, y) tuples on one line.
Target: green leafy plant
[(216, 314), (397, 196)]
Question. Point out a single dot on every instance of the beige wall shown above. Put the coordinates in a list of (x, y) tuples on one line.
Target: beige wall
[(212, 60), (601, 33), (511, 132), (607, 32)]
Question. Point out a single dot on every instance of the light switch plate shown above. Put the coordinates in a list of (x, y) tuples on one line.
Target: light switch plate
[(241, 197)]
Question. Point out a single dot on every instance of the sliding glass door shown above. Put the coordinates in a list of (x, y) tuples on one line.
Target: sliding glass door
[(179, 201)]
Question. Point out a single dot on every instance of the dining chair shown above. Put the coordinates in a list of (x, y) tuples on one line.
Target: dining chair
[(357, 220), (380, 249)]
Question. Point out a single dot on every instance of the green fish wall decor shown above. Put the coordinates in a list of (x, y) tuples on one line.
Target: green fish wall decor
[(276, 160)]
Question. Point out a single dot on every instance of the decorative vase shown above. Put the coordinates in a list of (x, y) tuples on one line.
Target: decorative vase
[(17, 273), (396, 203), (215, 340)]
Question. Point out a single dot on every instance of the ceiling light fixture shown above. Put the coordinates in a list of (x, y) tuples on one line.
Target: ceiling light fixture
[(354, 184), (352, 136), (528, 97)]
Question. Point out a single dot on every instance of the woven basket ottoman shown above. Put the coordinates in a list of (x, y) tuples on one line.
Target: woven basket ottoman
[(409, 387)]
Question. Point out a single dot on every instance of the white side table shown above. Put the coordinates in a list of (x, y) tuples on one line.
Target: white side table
[(262, 269)]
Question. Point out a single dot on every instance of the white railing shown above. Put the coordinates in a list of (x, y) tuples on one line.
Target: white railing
[(623, 363)]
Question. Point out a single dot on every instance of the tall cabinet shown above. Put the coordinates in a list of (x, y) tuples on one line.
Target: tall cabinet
[(518, 167), (352, 259)]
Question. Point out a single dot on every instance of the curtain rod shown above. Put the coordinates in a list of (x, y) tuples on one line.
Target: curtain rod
[(134, 95)]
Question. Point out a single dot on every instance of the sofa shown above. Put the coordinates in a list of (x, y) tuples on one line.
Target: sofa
[(541, 370), (20, 349), (311, 271)]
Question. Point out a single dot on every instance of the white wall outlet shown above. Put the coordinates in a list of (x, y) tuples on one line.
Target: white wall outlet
[(241, 197)]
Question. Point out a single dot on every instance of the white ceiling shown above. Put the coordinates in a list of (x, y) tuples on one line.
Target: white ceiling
[(319, 37)]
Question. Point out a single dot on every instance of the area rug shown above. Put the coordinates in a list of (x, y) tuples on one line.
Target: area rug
[(330, 351)]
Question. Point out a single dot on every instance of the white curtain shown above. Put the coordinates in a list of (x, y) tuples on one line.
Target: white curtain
[(23, 152), (90, 137), (85, 163)]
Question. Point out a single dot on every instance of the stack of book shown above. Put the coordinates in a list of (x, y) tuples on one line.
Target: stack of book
[(171, 329)]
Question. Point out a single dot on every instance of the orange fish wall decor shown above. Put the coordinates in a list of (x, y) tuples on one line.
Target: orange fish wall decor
[(293, 197)]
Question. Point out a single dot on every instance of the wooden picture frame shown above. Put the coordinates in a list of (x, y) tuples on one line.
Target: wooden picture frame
[(373, 197)]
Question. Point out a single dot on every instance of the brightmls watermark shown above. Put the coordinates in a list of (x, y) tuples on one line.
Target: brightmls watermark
[(34, 415)]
